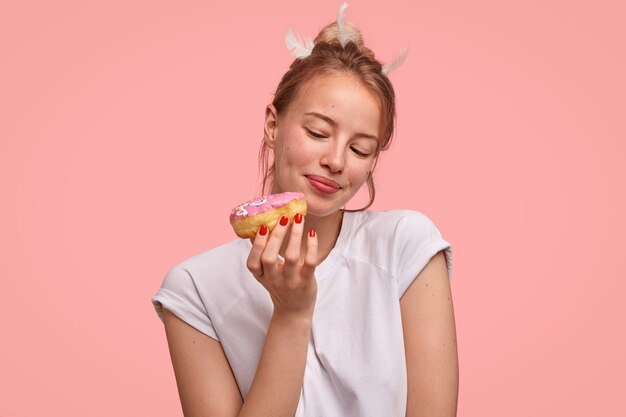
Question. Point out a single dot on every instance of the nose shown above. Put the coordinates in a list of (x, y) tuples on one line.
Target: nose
[(334, 158)]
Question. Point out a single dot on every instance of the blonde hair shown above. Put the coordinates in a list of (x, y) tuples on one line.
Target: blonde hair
[(330, 57)]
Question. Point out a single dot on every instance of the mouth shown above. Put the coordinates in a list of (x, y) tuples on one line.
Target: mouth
[(323, 185)]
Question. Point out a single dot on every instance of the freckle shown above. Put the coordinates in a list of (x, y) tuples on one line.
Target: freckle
[(433, 294), (427, 285)]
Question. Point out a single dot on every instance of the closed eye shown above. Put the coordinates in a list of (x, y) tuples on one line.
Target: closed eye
[(356, 151), (315, 135)]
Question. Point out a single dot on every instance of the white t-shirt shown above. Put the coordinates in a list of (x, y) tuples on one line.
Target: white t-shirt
[(355, 363)]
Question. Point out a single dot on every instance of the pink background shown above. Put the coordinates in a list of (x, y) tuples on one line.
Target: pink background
[(129, 130)]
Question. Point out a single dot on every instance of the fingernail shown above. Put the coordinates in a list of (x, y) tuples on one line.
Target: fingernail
[(312, 233), (283, 221), (298, 218), (263, 230)]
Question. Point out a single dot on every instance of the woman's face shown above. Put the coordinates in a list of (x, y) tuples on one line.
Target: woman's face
[(325, 144)]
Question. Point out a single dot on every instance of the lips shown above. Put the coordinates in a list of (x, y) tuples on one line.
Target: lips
[(325, 181), (323, 185)]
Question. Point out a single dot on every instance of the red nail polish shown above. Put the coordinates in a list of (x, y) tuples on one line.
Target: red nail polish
[(263, 230), (298, 218), (312, 233), (283, 221)]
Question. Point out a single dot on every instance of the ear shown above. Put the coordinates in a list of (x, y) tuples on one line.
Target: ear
[(269, 128)]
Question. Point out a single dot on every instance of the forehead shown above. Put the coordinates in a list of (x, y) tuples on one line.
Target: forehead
[(341, 97)]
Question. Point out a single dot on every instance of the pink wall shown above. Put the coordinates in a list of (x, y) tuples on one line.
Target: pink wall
[(129, 129)]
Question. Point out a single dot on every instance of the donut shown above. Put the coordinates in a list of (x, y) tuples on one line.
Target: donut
[(247, 217)]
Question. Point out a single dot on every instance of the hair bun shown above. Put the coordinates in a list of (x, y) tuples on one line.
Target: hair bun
[(330, 33)]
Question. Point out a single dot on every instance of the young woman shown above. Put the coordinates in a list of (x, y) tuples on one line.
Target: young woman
[(337, 313)]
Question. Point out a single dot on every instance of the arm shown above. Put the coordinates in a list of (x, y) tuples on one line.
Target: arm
[(206, 384), (430, 343), (275, 390)]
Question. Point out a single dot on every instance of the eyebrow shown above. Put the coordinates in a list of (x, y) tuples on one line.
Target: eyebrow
[(333, 123)]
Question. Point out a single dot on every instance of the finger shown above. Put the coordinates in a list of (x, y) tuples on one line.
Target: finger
[(254, 257), (292, 254), (269, 257), (310, 260)]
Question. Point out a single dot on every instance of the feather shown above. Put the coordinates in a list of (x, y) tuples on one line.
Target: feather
[(343, 36), (397, 61), (298, 46)]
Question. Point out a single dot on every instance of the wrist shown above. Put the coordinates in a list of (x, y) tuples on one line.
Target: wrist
[(293, 318)]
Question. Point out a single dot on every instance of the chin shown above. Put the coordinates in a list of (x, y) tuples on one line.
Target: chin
[(319, 209)]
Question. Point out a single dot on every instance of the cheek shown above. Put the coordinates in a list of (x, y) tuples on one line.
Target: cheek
[(295, 152), (360, 173), (288, 155)]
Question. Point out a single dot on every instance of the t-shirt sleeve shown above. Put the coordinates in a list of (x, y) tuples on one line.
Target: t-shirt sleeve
[(179, 294), (417, 240)]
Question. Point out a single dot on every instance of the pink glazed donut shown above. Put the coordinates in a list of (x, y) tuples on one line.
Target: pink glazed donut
[(247, 217)]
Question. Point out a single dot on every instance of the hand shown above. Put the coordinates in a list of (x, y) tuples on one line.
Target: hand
[(292, 285)]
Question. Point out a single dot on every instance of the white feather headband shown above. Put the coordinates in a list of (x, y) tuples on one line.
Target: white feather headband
[(301, 47)]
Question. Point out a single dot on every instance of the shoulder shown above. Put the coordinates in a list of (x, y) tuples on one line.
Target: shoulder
[(399, 242), (207, 284), (381, 237), (394, 225)]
